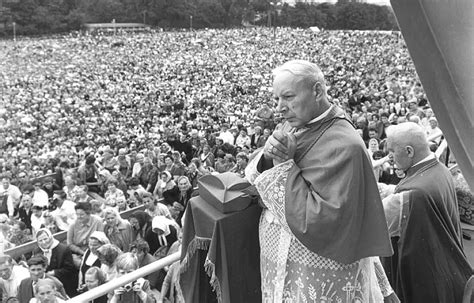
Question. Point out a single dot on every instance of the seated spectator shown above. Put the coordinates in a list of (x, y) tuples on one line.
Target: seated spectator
[(11, 276), (50, 222), (37, 266), (37, 219), (206, 157), (118, 231), (88, 174), (155, 208), (141, 223), (50, 187), (60, 262), (91, 258), (81, 194), (40, 197), (141, 250), (108, 254), (25, 211), (166, 188), (94, 277), (239, 167), (136, 192), (112, 193), (70, 188), (122, 204), (9, 197), (45, 292), (64, 214), (80, 231), (19, 234), (140, 289), (166, 230), (185, 190), (97, 208)]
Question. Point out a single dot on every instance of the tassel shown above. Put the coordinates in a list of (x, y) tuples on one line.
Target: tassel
[(211, 272), (194, 245)]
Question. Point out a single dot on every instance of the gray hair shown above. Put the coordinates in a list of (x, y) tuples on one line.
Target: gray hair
[(408, 133), (307, 71)]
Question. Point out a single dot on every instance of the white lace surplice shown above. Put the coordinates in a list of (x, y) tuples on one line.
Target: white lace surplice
[(291, 272)]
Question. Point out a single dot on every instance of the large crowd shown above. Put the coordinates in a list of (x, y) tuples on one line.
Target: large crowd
[(115, 122)]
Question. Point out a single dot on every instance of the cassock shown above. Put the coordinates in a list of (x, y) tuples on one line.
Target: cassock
[(324, 217), (429, 264)]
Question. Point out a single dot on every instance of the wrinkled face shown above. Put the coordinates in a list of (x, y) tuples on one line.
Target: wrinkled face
[(296, 99), (91, 281), (400, 154), (6, 271), (44, 241), (37, 271), (46, 294)]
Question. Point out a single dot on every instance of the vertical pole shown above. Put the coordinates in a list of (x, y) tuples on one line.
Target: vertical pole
[(14, 31), (191, 23)]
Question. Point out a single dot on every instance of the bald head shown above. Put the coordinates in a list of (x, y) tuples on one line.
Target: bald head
[(407, 143)]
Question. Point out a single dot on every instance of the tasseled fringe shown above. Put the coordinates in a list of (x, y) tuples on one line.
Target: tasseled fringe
[(211, 272), (194, 245)]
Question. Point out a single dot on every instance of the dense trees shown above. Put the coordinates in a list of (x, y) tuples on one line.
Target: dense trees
[(50, 16)]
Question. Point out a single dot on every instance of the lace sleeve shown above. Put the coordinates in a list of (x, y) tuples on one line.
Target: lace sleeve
[(382, 278), (251, 172)]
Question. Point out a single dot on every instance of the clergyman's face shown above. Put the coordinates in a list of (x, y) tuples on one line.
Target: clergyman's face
[(399, 153), (296, 99)]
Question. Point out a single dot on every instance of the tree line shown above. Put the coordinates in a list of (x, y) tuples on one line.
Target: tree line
[(33, 17)]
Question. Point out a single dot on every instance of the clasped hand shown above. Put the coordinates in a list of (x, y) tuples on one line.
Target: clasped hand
[(280, 147)]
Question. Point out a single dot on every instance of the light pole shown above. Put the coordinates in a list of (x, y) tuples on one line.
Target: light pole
[(14, 31), (191, 23)]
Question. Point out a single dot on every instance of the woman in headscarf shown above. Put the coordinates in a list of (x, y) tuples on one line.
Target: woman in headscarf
[(166, 188), (167, 233), (373, 147), (141, 224), (90, 257), (60, 263), (117, 230)]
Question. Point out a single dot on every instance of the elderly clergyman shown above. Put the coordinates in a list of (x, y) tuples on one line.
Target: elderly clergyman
[(324, 219), (429, 264)]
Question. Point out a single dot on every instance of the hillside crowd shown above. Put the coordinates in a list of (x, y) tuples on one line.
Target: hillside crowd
[(94, 125)]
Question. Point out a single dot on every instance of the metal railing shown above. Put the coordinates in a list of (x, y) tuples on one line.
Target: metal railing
[(20, 250), (111, 285)]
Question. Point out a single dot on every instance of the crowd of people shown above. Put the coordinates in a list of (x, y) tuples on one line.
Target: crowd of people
[(94, 125)]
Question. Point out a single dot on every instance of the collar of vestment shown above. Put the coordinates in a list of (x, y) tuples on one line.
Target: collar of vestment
[(311, 132), (415, 171), (420, 164)]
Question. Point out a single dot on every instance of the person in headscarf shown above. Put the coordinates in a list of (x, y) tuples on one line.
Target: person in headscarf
[(167, 232), (90, 257), (60, 263), (141, 224), (166, 188)]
